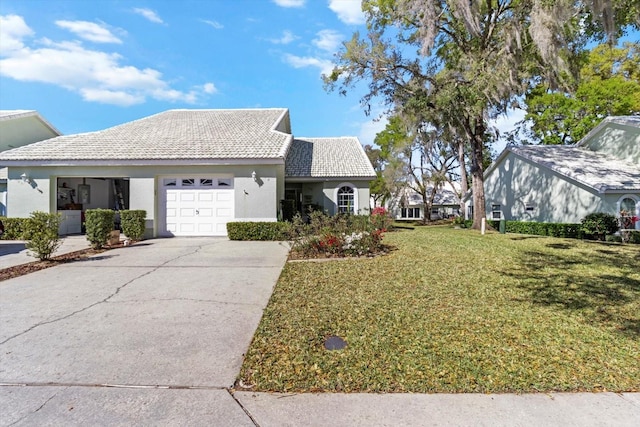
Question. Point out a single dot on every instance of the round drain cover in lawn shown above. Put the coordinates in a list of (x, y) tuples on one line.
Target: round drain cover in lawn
[(334, 343)]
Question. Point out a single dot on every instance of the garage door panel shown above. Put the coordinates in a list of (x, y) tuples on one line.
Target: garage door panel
[(206, 227), (205, 196), (200, 211), (187, 227), (224, 196), (187, 196)]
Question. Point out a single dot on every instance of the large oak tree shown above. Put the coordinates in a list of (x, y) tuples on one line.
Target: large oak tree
[(470, 58)]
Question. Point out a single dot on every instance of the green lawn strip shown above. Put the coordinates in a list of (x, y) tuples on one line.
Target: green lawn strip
[(454, 311)]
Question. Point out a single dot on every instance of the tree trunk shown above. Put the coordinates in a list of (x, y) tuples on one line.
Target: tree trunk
[(477, 172), (464, 183)]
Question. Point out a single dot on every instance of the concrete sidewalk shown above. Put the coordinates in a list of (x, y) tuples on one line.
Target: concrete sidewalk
[(155, 334), (13, 252), (102, 405)]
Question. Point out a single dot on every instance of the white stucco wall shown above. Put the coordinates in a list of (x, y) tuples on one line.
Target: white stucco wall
[(329, 191), (255, 200), (516, 182)]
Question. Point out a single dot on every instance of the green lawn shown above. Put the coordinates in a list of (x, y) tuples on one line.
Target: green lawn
[(453, 311)]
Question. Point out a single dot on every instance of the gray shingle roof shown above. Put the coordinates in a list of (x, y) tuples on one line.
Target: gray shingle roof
[(173, 135), (596, 170), (327, 157)]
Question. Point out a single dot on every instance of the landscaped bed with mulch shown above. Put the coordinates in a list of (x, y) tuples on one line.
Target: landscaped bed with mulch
[(454, 311), (37, 265)]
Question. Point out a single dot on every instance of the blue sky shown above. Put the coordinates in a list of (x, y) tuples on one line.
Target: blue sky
[(89, 65)]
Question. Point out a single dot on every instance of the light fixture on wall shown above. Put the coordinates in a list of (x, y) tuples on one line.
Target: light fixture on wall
[(25, 178), (254, 176)]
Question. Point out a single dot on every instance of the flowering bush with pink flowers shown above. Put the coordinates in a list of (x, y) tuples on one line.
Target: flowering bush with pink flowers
[(339, 235)]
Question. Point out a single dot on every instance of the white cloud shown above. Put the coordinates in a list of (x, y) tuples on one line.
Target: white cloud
[(89, 31), (148, 14), (369, 129), (209, 88), (324, 65), (287, 37), (289, 3), (328, 40), (348, 11), (113, 97), (12, 30), (214, 24), (97, 76)]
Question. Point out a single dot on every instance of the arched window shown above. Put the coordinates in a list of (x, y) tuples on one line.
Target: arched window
[(629, 211), (346, 199)]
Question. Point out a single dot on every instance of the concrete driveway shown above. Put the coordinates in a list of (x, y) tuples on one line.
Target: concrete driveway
[(154, 334), (163, 315)]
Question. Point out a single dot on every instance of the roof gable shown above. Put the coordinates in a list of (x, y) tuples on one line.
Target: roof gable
[(173, 135), (22, 127), (618, 137), (594, 169), (328, 158)]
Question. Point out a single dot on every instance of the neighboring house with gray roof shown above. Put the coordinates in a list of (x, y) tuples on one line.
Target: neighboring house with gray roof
[(552, 183), (191, 170), (18, 128), (408, 204)]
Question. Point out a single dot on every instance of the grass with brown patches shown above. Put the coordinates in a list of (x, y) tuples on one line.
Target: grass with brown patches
[(453, 311)]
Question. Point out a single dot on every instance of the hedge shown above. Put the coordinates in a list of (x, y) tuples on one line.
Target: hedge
[(99, 223), (13, 228), (133, 223), (275, 231), (567, 230)]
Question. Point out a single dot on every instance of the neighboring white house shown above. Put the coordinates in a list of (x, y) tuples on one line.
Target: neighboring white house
[(191, 170), (18, 128), (408, 204), (554, 183)]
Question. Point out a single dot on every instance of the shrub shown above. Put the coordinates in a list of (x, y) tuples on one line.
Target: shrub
[(133, 223), (13, 228), (599, 224), (381, 219), (99, 224), (275, 231), (41, 233), (338, 235)]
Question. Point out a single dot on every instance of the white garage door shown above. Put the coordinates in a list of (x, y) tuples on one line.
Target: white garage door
[(198, 206)]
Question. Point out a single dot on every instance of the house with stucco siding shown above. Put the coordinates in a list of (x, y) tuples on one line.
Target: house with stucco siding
[(18, 128), (555, 183), (192, 171)]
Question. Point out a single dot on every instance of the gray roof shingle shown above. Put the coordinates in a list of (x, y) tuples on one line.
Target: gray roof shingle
[(594, 169), (173, 135), (328, 157)]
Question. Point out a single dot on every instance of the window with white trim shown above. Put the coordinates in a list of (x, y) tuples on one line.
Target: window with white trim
[(496, 212), (346, 199), (410, 213), (629, 212)]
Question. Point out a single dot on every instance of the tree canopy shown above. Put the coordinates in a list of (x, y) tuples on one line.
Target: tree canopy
[(470, 59), (609, 85)]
